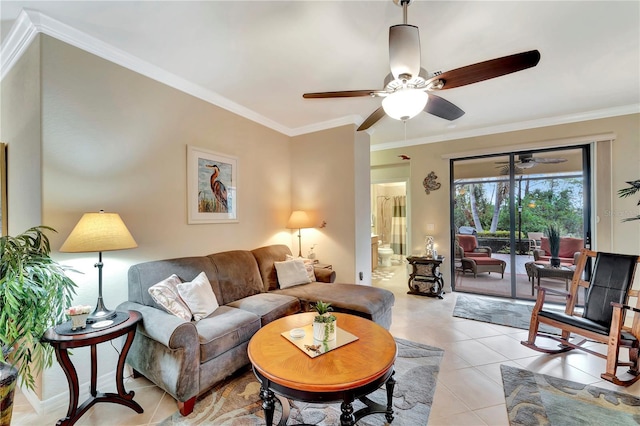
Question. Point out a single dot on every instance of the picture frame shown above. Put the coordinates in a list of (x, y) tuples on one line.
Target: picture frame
[(212, 184)]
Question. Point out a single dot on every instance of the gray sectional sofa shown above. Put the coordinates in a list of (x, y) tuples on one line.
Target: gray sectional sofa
[(186, 358)]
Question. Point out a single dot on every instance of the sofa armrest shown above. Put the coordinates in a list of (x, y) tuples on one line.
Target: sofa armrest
[(163, 327), (325, 275), (166, 350), (576, 255)]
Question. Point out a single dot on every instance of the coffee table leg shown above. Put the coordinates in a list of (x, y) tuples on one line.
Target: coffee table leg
[(347, 419), (391, 383), (268, 402)]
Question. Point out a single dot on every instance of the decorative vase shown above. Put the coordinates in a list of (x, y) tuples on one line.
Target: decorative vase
[(324, 331), (555, 262), (8, 378), (78, 321)]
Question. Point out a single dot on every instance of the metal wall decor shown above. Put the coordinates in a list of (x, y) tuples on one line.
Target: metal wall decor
[(430, 183)]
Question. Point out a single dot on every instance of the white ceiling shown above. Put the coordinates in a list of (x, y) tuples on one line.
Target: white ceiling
[(258, 58)]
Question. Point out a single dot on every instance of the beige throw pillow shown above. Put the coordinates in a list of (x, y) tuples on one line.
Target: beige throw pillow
[(291, 272), (199, 296), (165, 293), (308, 265)]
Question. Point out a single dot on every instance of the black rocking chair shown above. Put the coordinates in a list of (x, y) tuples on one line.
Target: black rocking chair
[(604, 314)]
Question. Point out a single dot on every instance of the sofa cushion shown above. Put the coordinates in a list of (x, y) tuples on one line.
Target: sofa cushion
[(225, 329), (568, 246), (365, 301), (266, 256), (308, 264), (291, 272), (199, 296), (238, 275), (268, 306), (144, 275), (165, 293)]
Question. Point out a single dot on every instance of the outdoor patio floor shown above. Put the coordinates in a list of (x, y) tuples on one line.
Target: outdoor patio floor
[(492, 283)]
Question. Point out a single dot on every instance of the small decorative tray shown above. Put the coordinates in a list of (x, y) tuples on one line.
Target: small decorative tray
[(314, 348)]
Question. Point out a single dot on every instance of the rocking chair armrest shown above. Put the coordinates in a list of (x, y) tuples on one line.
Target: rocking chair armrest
[(627, 307)]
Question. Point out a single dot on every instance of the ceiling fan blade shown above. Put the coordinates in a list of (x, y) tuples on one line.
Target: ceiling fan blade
[(488, 69), (342, 94), (404, 50), (372, 119), (442, 108), (549, 160)]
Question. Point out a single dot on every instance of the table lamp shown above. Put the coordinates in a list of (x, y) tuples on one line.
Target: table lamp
[(298, 220), (99, 232)]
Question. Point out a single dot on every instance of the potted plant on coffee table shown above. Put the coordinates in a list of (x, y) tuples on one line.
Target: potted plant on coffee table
[(34, 293), (324, 323), (553, 233)]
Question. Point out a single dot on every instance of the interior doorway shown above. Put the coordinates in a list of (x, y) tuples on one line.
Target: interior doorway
[(389, 221)]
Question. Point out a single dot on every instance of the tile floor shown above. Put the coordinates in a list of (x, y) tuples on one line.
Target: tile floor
[(469, 390)]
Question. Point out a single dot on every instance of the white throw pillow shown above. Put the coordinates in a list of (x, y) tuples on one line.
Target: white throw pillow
[(199, 296), (165, 293), (291, 272), (308, 264)]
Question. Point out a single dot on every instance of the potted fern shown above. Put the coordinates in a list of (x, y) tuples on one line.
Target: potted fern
[(34, 293), (324, 323), (553, 233)]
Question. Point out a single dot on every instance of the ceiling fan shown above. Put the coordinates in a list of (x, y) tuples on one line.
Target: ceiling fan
[(527, 161), (408, 89)]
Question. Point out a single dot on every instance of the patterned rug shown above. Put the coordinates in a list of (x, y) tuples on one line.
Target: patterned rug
[(501, 312), (236, 401), (537, 399)]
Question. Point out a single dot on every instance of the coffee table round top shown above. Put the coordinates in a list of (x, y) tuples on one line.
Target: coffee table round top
[(347, 367)]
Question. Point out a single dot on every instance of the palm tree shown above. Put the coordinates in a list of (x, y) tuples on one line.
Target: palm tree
[(626, 192)]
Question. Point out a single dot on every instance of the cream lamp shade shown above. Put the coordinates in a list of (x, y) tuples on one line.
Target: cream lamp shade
[(99, 232), (299, 219)]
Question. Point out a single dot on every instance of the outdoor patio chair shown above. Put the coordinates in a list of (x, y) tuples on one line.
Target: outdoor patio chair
[(535, 239), (604, 313)]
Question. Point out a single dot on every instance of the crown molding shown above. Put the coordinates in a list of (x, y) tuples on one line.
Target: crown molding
[(30, 23), (512, 127), (330, 124)]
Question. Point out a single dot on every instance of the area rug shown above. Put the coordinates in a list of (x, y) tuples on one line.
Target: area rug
[(494, 311), (236, 401), (537, 399)]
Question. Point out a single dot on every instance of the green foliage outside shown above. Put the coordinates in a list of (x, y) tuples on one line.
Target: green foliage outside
[(560, 202)]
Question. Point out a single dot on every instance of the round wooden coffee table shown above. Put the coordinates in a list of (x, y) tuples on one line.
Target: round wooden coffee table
[(344, 374)]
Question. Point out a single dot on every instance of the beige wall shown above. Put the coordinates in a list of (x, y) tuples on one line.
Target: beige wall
[(88, 135), (434, 208), (328, 167)]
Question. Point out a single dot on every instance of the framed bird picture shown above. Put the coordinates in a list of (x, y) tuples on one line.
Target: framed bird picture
[(212, 181)]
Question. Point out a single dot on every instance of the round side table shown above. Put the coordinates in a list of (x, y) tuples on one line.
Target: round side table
[(62, 342)]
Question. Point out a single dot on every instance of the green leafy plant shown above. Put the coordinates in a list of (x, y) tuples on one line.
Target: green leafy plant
[(553, 233), (34, 293), (627, 192), (324, 316)]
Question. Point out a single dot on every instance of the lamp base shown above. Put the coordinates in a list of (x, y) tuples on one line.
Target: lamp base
[(100, 313), (97, 316)]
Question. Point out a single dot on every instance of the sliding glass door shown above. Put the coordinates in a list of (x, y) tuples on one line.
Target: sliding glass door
[(502, 206)]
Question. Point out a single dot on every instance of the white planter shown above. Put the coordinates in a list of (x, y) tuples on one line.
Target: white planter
[(78, 321), (320, 334)]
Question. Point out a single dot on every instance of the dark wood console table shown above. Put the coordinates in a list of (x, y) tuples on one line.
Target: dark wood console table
[(62, 342), (426, 279)]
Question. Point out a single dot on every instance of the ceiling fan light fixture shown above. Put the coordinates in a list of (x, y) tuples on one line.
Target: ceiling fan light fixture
[(405, 104)]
